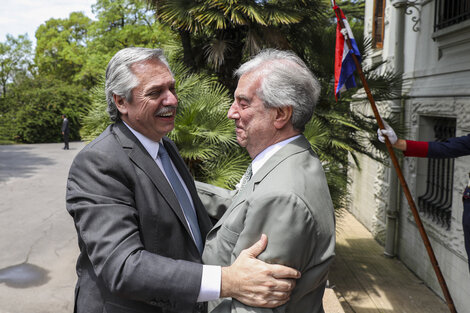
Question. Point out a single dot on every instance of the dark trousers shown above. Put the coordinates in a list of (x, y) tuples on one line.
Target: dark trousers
[(466, 222), (66, 141)]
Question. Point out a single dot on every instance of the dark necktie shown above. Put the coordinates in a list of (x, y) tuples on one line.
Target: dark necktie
[(182, 196)]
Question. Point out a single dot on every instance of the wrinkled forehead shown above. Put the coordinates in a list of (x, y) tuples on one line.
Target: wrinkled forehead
[(150, 64), (248, 84)]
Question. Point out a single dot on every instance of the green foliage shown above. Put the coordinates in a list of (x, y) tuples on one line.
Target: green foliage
[(120, 24), (7, 125), (77, 49), (15, 59), (203, 133), (125, 23), (61, 48), (36, 106), (220, 33), (96, 119), (70, 58)]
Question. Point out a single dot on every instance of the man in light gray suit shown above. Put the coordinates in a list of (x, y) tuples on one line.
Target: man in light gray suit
[(284, 194), (139, 221)]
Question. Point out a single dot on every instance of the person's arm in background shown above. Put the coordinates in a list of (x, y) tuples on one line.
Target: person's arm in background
[(216, 200), (409, 147), (451, 148)]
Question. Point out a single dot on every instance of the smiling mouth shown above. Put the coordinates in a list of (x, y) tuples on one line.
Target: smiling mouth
[(166, 112)]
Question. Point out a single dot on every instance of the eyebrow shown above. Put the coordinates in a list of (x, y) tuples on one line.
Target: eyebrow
[(242, 97), (159, 86)]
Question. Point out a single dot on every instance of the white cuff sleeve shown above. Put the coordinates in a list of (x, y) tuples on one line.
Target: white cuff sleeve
[(210, 284)]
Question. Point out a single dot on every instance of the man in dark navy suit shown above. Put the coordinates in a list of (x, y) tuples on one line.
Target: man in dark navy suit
[(451, 148)]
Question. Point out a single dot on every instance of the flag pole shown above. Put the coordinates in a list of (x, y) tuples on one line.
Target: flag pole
[(403, 183)]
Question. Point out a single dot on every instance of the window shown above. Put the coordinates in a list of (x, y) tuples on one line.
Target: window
[(450, 12), (378, 24), (436, 201)]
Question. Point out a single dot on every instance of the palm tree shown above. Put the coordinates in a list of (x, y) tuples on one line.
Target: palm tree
[(221, 32), (203, 133)]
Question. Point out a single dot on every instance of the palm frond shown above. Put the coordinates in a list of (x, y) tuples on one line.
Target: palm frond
[(286, 16), (96, 119), (179, 14), (226, 170), (216, 50)]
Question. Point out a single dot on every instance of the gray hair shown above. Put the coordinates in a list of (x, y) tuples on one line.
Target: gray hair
[(286, 81), (120, 80)]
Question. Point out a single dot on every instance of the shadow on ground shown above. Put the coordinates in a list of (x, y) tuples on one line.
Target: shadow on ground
[(20, 161), (24, 275)]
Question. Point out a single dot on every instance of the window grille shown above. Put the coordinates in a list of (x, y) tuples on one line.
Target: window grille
[(436, 202), (450, 12)]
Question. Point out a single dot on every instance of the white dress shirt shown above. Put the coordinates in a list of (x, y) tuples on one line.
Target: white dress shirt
[(264, 156)]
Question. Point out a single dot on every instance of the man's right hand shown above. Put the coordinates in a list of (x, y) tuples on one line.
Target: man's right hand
[(256, 283)]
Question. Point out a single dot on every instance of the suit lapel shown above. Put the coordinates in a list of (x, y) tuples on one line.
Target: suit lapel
[(139, 155), (237, 200), (296, 146), (203, 219)]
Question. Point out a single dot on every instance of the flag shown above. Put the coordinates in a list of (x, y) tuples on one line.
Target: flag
[(344, 62)]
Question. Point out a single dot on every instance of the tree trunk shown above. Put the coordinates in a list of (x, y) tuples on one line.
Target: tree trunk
[(188, 57), (232, 59)]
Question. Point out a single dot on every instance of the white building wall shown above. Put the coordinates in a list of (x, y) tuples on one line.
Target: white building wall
[(369, 188), (437, 79)]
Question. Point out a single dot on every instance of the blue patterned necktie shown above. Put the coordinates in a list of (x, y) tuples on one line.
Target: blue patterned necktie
[(182, 196)]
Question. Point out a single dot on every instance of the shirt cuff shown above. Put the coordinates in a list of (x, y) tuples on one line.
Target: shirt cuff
[(210, 283), (416, 148)]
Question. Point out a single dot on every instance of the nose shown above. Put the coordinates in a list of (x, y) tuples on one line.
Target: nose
[(233, 112), (171, 99)]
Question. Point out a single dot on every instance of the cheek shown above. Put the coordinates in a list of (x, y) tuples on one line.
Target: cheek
[(246, 120), (145, 108)]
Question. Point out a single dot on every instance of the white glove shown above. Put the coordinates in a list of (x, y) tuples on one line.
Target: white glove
[(389, 132)]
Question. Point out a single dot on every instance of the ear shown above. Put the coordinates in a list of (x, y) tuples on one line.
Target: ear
[(283, 116), (121, 104)]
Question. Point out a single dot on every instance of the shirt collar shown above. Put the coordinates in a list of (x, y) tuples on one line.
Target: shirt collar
[(264, 156), (149, 145)]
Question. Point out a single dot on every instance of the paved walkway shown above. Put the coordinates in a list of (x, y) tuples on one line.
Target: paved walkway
[(37, 236), (39, 248), (366, 281)]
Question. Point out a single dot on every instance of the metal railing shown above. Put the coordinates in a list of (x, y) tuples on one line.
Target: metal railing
[(450, 12), (436, 202)]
